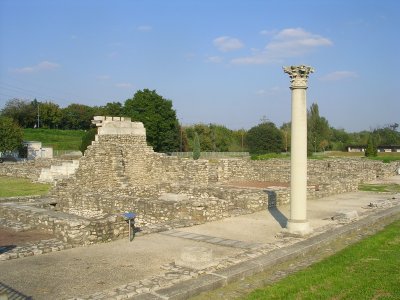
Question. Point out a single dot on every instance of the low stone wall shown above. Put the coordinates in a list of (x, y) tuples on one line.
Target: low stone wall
[(119, 172), (70, 228), (26, 169)]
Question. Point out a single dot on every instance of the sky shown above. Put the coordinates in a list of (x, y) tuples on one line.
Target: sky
[(218, 61)]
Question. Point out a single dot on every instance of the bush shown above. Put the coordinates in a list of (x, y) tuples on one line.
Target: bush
[(196, 147), (264, 138), (371, 150), (87, 139)]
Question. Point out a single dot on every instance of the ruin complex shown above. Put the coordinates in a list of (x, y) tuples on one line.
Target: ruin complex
[(120, 173)]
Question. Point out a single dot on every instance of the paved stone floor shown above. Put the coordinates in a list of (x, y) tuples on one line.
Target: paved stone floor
[(145, 268)]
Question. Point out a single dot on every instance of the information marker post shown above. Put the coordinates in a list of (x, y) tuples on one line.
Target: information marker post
[(130, 217)]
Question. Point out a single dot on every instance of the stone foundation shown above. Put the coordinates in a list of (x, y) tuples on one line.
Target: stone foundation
[(120, 173)]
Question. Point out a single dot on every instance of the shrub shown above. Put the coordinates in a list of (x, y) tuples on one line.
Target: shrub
[(87, 139), (196, 146)]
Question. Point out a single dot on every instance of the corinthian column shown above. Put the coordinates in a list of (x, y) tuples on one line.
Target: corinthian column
[(298, 224)]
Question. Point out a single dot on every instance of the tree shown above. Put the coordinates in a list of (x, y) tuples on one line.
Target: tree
[(371, 150), (339, 139), (286, 130), (264, 138), (158, 117), (77, 116), (50, 115), (114, 109), (21, 111), (386, 136), (196, 147), (10, 135), (317, 129)]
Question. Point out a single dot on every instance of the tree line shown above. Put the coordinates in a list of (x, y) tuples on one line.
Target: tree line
[(165, 133)]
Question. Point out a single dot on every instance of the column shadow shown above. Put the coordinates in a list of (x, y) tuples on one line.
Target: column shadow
[(7, 292), (274, 211)]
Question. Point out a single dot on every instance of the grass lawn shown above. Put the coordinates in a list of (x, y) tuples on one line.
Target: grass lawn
[(56, 138), (369, 269), (392, 187), (12, 187)]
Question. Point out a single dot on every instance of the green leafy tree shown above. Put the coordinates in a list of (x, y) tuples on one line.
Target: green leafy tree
[(158, 117), (387, 136), (371, 150), (286, 135), (50, 115), (264, 138), (238, 143), (77, 116), (339, 139), (318, 130), (113, 109), (196, 147), (87, 139), (10, 135), (21, 111)]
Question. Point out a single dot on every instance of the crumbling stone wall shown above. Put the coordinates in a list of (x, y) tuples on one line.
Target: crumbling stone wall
[(120, 172), (26, 169)]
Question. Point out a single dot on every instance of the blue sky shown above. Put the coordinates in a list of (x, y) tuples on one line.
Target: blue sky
[(218, 61)]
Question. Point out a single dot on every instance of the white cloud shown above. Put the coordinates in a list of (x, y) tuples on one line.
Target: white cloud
[(214, 59), (296, 41), (226, 43), (339, 75), (289, 42), (124, 85), (42, 66), (144, 28)]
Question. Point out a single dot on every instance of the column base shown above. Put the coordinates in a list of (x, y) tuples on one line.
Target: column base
[(301, 228)]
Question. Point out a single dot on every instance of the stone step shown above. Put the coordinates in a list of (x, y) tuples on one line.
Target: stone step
[(58, 172)]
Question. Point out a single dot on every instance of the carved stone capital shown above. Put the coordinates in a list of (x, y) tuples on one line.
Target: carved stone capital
[(298, 75)]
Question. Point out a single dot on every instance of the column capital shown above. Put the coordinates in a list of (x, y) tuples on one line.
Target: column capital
[(298, 75)]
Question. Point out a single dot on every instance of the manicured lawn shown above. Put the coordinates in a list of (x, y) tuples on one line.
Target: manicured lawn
[(56, 138), (12, 187), (392, 187), (369, 269)]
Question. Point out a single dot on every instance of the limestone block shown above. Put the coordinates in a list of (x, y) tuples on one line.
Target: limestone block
[(173, 197), (195, 257), (345, 216)]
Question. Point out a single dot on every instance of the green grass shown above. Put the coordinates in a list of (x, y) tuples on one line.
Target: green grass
[(12, 187), (56, 138), (270, 155), (386, 157), (369, 269), (392, 187)]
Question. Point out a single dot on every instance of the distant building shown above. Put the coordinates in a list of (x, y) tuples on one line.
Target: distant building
[(389, 148), (34, 150), (382, 148), (356, 148)]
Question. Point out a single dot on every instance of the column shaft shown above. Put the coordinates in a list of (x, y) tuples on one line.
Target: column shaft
[(298, 224), (298, 171)]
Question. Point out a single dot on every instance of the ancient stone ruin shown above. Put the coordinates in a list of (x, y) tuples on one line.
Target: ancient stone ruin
[(120, 173)]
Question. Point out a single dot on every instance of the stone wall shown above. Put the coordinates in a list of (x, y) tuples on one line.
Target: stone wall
[(119, 172), (26, 169)]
